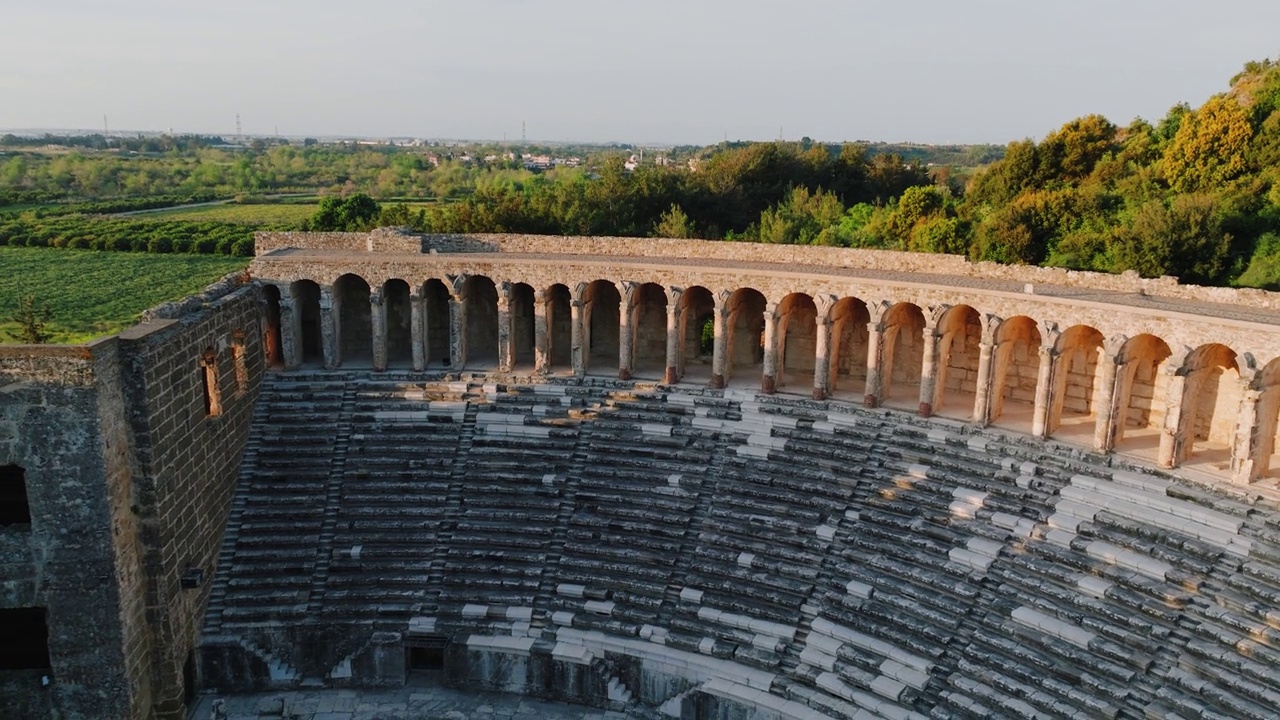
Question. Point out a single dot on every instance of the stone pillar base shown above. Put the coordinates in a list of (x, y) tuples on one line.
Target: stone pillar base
[(871, 401), (670, 378), (624, 374), (717, 382), (926, 409), (768, 384), (819, 394)]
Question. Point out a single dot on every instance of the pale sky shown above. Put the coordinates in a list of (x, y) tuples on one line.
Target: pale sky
[(658, 71)]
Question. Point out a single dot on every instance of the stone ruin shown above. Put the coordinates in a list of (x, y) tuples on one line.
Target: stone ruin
[(669, 478)]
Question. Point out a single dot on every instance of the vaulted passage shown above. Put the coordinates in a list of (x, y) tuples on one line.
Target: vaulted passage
[(1016, 373), (522, 320), (649, 323), (798, 341), (903, 355), (395, 295), (26, 639), (697, 333), (744, 316), (559, 328), (481, 326), (1210, 404), (306, 304), (435, 298), (958, 336), (1140, 382), (1076, 381), (849, 318)]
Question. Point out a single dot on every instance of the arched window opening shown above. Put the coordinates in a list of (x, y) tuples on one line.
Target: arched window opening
[(902, 355), (209, 383), (649, 325), (600, 306), (355, 320), (696, 333), (1141, 392), (1077, 381), (849, 338), (1016, 372), (1211, 400), (399, 311), (560, 327), (522, 331), (436, 306), (797, 341), (745, 320), (14, 507), (959, 335), (481, 297)]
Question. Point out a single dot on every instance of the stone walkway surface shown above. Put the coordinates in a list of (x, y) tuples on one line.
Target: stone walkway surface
[(408, 703)]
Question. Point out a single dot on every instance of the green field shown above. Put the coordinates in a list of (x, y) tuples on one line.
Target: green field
[(90, 294), (256, 215)]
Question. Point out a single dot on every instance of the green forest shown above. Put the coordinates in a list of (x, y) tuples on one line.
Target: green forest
[(1194, 194)]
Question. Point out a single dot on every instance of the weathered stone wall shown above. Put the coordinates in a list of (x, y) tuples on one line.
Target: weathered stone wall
[(188, 461), (129, 479), (389, 240), (61, 420)]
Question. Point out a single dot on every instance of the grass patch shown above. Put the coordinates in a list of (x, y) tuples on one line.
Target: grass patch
[(90, 294)]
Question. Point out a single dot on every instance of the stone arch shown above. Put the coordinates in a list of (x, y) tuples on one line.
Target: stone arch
[(306, 312), (696, 328), (849, 318), (649, 326), (797, 340), (272, 337), (903, 352), (355, 320), (399, 313), (601, 313), (1141, 386), (958, 335), (1016, 371), (744, 316), (559, 327), (1076, 377), (481, 329), (521, 309), (1210, 400), (435, 331)]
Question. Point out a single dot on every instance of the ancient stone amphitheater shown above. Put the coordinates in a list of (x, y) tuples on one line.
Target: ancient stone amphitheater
[(670, 478)]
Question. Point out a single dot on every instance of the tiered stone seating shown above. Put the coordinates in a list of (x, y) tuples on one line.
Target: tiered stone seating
[(270, 552), (761, 546), (503, 540), (639, 485), (395, 484)]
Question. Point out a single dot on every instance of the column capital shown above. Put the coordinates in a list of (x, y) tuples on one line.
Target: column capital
[(376, 297)]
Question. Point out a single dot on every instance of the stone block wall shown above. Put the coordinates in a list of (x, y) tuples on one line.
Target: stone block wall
[(62, 422), (188, 461)]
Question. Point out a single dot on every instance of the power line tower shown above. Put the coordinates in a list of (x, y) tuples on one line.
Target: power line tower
[(239, 135), (523, 139)]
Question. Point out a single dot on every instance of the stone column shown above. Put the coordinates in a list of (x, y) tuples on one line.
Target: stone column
[(1104, 429), (928, 372), (575, 335), (506, 354), (1044, 385), (672, 375), (626, 331), (329, 330), (457, 332), (378, 323), (720, 352), (290, 334), (541, 333), (769, 375), (875, 352), (822, 358), (982, 393), (1245, 447), (418, 328), (1173, 434)]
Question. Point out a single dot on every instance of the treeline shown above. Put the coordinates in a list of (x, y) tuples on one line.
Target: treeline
[(98, 141)]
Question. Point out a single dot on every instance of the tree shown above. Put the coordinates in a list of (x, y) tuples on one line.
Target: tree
[(673, 223), (1210, 147), (1184, 239), (31, 319), (353, 213)]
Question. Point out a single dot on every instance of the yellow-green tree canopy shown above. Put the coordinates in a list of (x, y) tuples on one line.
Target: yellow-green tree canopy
[(1210, 147)]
